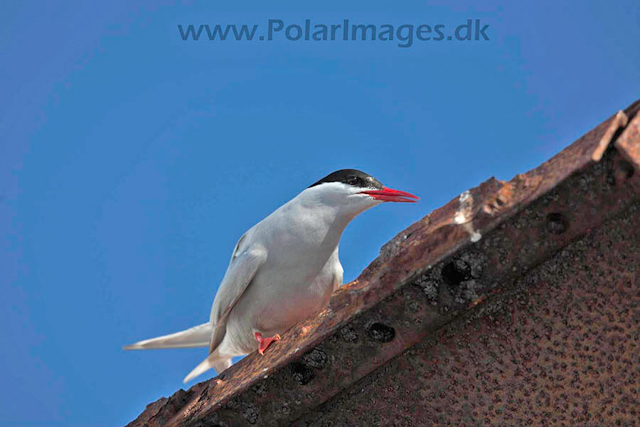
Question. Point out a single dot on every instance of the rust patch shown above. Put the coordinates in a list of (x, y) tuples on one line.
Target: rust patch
[(629, 143), (619, 121)]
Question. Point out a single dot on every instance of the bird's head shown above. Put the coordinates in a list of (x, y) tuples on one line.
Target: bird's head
[(353, 191)]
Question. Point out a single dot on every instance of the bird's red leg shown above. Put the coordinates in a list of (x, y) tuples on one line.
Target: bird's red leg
[(265, 342)]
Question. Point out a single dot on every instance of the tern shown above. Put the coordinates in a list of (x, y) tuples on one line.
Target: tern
[(282, 271)]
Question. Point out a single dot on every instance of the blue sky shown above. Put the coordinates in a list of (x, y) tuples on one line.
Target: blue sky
[(131, 161)]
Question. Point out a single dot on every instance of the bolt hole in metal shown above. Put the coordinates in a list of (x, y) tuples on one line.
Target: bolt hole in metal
[(455, 272), (557, 223), (380, 332), (626, 169), (301, 373)]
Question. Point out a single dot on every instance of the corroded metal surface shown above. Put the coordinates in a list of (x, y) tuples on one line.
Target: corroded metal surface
[(619, 121), (560, 347), (400, 299), (627, 143)]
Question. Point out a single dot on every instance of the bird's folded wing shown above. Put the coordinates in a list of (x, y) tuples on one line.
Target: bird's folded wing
[(242, 269)]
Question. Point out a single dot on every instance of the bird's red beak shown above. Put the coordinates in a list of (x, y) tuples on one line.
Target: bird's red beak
[(391, 195)]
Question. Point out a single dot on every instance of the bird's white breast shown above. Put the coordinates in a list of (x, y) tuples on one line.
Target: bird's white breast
[(298, 277)]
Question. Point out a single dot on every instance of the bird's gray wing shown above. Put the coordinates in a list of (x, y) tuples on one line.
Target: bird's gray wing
[(245, 262)]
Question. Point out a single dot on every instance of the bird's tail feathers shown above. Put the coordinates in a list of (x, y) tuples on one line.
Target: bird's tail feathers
[(215, 361), (198, 336)]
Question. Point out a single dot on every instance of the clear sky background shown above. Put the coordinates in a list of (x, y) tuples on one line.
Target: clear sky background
[(131, 161)]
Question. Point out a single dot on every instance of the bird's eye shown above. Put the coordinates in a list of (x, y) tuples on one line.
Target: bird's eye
[(352, 180)]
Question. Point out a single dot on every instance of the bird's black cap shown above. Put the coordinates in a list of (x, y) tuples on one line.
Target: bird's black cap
[(352, 177)]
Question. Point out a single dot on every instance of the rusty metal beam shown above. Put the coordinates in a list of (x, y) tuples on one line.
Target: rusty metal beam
[(560, 346)]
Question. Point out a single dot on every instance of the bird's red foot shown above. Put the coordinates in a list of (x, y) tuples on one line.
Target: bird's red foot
[(265, 342)]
